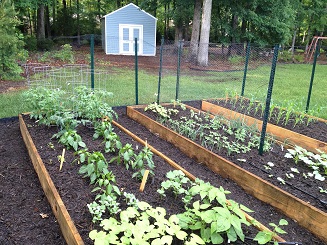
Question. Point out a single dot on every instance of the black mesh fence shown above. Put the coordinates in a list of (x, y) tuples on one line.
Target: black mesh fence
[(172, 72)]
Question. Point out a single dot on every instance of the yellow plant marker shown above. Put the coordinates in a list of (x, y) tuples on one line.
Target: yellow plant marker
[(62, 158), (145, 177)]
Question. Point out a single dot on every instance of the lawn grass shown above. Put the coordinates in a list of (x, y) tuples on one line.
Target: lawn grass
[(291, 87)]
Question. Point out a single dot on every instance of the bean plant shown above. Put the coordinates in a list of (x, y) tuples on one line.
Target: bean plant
[(207, 210), (316, 162)]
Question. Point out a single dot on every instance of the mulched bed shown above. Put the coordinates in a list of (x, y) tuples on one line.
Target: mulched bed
[(255, 164), (75, 191)]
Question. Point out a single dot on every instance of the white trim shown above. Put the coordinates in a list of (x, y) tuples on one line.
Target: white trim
[(137, 7), (130, 42)]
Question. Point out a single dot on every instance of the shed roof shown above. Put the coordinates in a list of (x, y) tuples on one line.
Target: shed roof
[(135, 6)]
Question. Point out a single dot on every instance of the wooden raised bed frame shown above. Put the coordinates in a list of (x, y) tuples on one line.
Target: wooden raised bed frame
[(281, 134), (68, 229), (306, 215)]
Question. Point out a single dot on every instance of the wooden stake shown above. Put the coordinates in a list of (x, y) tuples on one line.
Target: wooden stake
[(62, 158), (145, 177)]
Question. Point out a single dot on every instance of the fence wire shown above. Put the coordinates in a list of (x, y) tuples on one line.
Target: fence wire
[(229, 68)]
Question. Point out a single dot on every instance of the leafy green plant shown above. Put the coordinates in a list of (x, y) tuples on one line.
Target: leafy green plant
[(177, 182), (65, 54), (264, 237), (163, 112), (142, 225), (45, 103), (212, 216), (95, 165), (91, 105), (111, 139), (70, 138), (125, 156), (143, 161), (316, 162)]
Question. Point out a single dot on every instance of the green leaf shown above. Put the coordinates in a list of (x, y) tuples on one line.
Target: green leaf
[(283, 222), (263, 237), (166, 239), (216, 238), (181, 235), (195, 239), (246, 209)]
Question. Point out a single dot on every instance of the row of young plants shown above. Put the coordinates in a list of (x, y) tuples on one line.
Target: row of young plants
[(288, 115), (233, 138), (139, 223), (213, 133)]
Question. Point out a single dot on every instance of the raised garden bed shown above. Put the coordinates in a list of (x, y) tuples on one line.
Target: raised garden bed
[(76, 191), (307, 215), (295, 130)]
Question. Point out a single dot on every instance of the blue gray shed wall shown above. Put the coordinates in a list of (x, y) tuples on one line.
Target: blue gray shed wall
[(133, 16)]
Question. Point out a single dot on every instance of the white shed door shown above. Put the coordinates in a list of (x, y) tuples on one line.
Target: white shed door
[(127, 35)]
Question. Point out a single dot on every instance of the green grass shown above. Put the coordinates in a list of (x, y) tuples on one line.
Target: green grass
[(290, 87)]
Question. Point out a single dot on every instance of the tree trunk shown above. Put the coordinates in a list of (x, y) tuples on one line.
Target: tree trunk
[(40, 32), (195, 30), (78, 24), (205, 33), (293, 41), (48, 26)]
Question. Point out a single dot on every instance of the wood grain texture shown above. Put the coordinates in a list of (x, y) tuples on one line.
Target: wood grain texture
[(67, 226)]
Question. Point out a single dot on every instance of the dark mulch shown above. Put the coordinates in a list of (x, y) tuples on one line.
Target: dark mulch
[(22, 199), (303, 188)]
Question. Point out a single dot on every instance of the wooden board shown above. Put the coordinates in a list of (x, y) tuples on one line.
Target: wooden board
[(306, 215), (281, 134), (67, 226)]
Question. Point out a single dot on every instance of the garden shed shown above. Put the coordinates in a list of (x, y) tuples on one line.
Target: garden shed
[(122, 26)]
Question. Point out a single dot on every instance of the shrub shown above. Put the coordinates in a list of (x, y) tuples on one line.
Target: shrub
[(65, 54), (30, 43), (45, 44)]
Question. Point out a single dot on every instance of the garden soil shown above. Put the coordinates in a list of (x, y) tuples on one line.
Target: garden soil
[(26, 217)]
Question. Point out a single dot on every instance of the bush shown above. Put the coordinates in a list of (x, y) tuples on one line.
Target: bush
[(65, 54), (30, 43), (285, 56), (45, 44)]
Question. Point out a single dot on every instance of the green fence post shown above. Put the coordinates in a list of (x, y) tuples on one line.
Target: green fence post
[(248, 48), (92, 61), (160, 69), (312, 77), (178, 67), (136, 75), (269, 93)]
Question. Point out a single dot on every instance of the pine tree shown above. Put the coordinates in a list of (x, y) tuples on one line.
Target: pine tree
[(11, 47)]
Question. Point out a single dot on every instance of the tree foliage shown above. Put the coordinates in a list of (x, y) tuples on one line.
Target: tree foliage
[(11, 45)]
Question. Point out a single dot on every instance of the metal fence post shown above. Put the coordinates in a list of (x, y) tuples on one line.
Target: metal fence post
[(312, 77), (248, 48), (92, 61), (136, 75), (160, 69), (178, 68), (268, 99)]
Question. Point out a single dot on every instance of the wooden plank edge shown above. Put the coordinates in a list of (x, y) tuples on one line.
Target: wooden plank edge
[(249, 218), (282, 134), (68, 229), (305, 214)]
